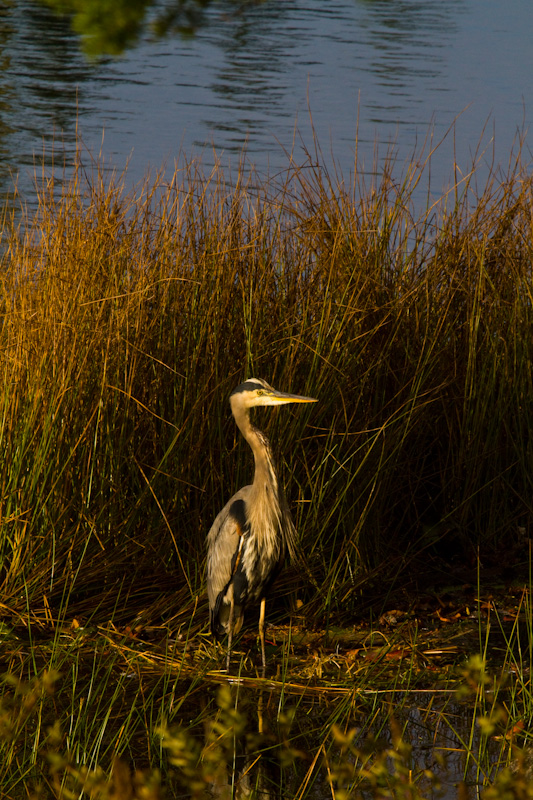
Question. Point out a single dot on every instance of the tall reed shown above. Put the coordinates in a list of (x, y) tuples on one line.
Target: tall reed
[(128, 317)]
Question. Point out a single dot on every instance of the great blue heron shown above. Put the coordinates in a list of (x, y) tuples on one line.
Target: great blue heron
[(250, 536)]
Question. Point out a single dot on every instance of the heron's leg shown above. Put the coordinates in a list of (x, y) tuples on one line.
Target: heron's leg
[(262, 633), (230, 631)]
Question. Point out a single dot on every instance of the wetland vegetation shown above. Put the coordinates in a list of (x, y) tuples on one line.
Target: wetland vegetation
[(400, 642)]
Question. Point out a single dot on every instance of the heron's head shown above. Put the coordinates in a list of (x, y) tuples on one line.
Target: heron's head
[(255, 392)]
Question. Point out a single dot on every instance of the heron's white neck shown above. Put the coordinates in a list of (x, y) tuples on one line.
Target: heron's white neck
[(265, 477), (268, 512)]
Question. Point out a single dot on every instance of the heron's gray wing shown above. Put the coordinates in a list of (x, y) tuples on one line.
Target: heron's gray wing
[(224, 542)]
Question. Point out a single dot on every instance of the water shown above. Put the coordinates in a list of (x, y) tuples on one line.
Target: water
[(388, 72)]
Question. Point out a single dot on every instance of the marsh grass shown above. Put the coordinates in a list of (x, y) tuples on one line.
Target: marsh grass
[(126, 319), (98, 730)]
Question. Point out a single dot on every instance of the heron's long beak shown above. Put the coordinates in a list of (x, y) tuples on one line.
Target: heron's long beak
[(279, 398)]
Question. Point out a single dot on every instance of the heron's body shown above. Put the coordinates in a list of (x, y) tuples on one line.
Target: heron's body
[(254, 531)]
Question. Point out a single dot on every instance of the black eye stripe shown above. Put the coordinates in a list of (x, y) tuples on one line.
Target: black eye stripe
[(248, 386)]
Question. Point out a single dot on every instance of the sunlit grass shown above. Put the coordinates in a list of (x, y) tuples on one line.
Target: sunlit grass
[(128, 319)]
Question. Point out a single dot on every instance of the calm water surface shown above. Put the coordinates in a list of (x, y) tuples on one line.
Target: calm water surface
[(387, 71)]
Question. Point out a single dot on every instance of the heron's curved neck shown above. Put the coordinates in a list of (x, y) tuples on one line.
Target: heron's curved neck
[(265, 471), (270, 524)]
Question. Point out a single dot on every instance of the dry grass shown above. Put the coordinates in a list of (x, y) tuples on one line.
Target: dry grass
[(128, 318)]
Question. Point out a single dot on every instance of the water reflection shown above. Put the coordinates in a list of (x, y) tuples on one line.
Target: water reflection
[(42, 69), (381, 70), (108, 27), (257, 745)]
